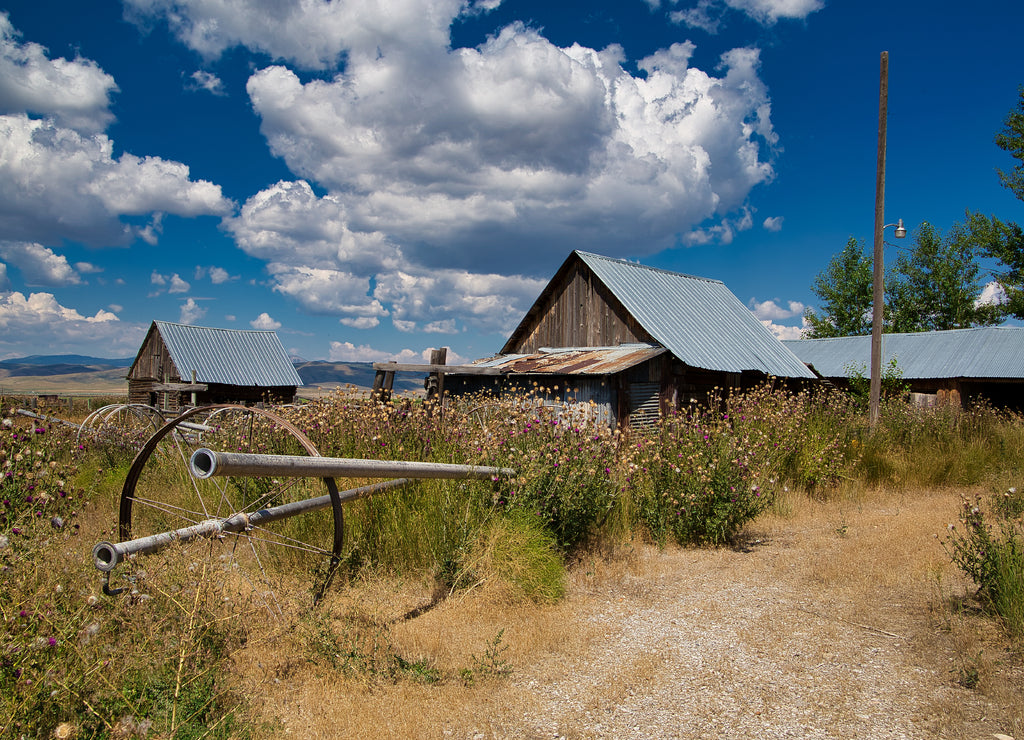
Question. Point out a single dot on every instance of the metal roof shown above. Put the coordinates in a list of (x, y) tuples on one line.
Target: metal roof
[(228, 356), (574, 360), (698, 320), (982, 352)]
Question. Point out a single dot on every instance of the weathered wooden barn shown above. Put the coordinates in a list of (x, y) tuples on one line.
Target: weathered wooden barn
[(180, 365), (956, 365), (635, 340)]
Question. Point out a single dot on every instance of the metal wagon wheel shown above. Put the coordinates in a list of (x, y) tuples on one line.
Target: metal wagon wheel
[(161, 495), (123, 423)]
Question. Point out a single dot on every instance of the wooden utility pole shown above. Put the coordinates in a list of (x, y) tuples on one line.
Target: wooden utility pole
[(878, 296)]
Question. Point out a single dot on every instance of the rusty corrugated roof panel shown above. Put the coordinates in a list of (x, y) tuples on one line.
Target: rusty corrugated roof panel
[(228, 356), (698, 320), (575, 360), (981, 352)]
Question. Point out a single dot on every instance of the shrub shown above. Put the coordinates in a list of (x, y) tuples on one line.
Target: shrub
[(804, 438), (563, 472), (993, 557), (696, 481)]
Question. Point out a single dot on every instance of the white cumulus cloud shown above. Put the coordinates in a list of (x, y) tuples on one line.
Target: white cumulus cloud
[(498, 158), (178, 285), (59, 178), (219, 275), (708, 15), (770, 11), (349, 352), (490, 303), (39, 265), (992, 294), (203, 80), (785, 332), (191, 312), (38, 320), (76, 93), (519, 144), (773, 311), (360, 322), (313, 34), (265, 322), (56, 184)]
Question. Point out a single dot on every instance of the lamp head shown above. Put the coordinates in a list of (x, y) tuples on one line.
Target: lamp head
[(901, 230)]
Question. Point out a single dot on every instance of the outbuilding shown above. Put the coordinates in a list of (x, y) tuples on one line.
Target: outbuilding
[(958, 366), (180, 365), (632, 342)]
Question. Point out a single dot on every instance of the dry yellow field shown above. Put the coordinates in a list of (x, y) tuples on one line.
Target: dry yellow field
[(838, 620)]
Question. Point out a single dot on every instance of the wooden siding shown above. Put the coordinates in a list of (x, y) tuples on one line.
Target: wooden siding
[(153, 361), (580, 313)]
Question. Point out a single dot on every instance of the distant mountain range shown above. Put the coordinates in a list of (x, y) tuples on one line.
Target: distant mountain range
[(361, 374), (313, 373), (61, 365)]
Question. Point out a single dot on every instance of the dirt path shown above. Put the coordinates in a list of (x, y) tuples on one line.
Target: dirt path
[(832, 623)]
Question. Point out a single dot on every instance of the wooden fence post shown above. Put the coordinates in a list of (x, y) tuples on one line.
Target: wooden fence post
[(434, 382)]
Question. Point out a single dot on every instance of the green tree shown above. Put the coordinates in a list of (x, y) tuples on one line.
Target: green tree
[(1003, 242), (844, 289), (936, 284), (1011, 140)]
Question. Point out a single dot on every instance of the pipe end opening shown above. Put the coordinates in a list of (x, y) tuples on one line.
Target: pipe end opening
[(202, 463), (106, 556)]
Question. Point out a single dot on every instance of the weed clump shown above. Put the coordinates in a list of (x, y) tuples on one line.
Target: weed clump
[(992, 553)]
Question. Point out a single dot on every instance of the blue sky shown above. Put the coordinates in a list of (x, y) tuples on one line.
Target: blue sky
[(374, 179)]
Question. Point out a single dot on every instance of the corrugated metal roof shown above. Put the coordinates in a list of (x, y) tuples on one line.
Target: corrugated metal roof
[(982, 352), (575, 360), (698, 320), (229, 356)]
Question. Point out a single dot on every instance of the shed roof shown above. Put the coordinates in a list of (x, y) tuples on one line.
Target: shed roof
[(982, 352), (228, 356), (574, 360), (698, 320)]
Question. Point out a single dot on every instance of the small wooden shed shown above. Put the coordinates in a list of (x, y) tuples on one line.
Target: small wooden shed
[(180, 365)]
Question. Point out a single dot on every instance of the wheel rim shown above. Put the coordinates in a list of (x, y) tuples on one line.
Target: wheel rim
[(160, 495)]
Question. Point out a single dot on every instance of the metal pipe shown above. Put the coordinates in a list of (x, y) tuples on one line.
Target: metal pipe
[(206, 463), (107, 555)]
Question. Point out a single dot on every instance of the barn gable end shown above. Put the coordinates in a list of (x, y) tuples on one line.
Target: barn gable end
[(576, 309)]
